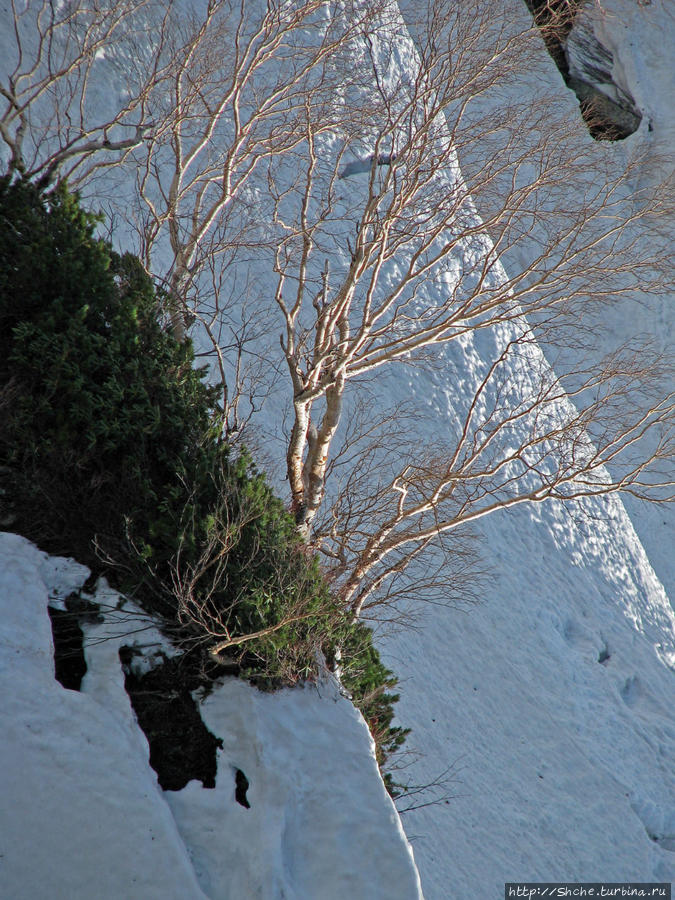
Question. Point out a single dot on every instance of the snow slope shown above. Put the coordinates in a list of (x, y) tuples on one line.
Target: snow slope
[(548, 707), (551, 703), (641, 37), (83, 817)]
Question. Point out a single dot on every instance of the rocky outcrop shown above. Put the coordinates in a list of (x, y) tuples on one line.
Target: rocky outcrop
[(587, 67), (610, 109)]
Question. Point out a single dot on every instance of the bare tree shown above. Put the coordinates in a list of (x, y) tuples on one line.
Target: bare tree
[(315, 165), (243, 78), (412, 268), (77, 85)]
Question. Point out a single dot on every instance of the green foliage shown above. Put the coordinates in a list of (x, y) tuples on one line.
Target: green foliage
[(111, 440), (107, 407), (368, 681)]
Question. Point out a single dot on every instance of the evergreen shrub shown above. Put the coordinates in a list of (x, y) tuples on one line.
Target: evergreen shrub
[(111, 452)]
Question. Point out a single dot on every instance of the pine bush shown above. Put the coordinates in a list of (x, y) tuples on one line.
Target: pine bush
[(111, 439)]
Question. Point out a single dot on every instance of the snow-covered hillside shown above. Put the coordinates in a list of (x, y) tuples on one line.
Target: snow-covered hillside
[(544, 714), (83, 816), (640, 37), (551, 705)]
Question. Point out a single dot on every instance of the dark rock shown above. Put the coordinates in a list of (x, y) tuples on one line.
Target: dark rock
[(586, 66)]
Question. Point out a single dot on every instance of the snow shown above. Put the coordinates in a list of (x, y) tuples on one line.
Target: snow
[(641, 37), (549, 704), (565, 762), (320, 823), (83, 816)]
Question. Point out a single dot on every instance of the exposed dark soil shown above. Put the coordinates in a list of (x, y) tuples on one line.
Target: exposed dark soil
[(70, 665), (182, 748)]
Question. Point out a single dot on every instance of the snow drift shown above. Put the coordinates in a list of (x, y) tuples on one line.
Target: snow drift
[(83, 815)]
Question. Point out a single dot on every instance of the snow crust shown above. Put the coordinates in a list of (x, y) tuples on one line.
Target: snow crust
[(82, 814), (320, 822)]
